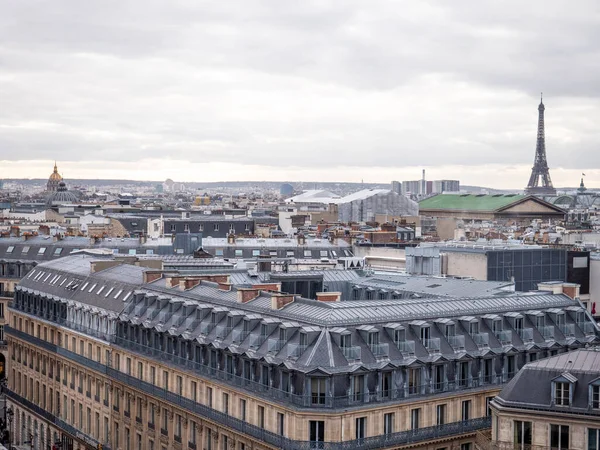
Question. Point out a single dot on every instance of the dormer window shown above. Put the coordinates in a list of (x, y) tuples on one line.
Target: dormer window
[(473, 328), (346, 340), (560, 320), (595, 394), (562, 393), (518, 324), (540, 322), (373, 339), (246, 325), (303, 340), (282, 334), (213, 318), (263, 329), (229, 322), (399, 336), (497, 326), (425, 334), (450, 330)]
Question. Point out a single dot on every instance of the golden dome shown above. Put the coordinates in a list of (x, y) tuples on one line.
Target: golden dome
[(55, 175)]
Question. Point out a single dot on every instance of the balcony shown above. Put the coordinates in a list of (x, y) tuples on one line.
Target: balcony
[(206, 328), (432, 344), (351, 353), (547, 332), (275, 345), (56, 421), (239, 336), (406, 347), (223, 332), (253, 387), (295, 350), (526, 334), (504, 336), (482, 340), (568, 329), (380, 350), (457, 342), (256, 340), (588, 328)]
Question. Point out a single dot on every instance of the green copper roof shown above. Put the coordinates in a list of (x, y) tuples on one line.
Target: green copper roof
[(469, 202)]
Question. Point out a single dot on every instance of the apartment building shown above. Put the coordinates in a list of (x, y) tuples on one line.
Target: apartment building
[(102, 353), (553, 403)]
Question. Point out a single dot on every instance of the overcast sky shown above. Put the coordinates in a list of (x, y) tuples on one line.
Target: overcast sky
[(299, 90)]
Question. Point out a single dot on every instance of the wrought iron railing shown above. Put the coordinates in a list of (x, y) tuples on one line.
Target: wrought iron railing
[(56, 421), (568, 329)]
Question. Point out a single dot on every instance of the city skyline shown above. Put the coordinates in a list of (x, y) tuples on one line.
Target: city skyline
[(314, 92)]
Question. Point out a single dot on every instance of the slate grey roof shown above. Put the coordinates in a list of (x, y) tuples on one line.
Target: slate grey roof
[(121, 290), (532, 386)]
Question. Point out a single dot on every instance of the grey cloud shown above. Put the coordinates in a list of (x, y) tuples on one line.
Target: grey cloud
[(299, 83)]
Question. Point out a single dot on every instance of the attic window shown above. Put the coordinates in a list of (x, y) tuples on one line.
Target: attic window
[(41, 250), (10, 249), (134, 224), (595, 395), (58, 251), (25, 249), (562, 393)]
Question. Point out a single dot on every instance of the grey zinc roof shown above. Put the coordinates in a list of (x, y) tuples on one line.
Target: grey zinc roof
[(532, 386)]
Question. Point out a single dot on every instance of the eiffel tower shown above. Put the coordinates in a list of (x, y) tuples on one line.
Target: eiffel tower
[(540, 182)]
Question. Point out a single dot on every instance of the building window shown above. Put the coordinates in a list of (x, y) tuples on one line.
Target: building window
[(388, 423), (466, 410), (261, 416), (593, 439), (595, 396), (440, 414), (522, 434), (209, 397), (465, 446), (226, 403), (361, 427), (243, 409), (414, 418), (318, 391), (216, 227), (559, 437), (281, 424), (316, 433), (562, 393), (488, 408)]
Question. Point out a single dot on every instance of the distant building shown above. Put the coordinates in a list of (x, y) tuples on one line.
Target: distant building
[(414, 187), (440, 186), (361, 206), (61, 196), (286, 190), (397, 187), (490, 207), (54, 180)]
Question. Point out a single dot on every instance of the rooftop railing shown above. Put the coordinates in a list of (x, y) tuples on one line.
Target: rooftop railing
[(457, 342), (351, 353), (249, 383), (482, 340), (380, 350), (406, 347), (547, 332), (432, 344), (568, 329), (504, 336), (526, 334)]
